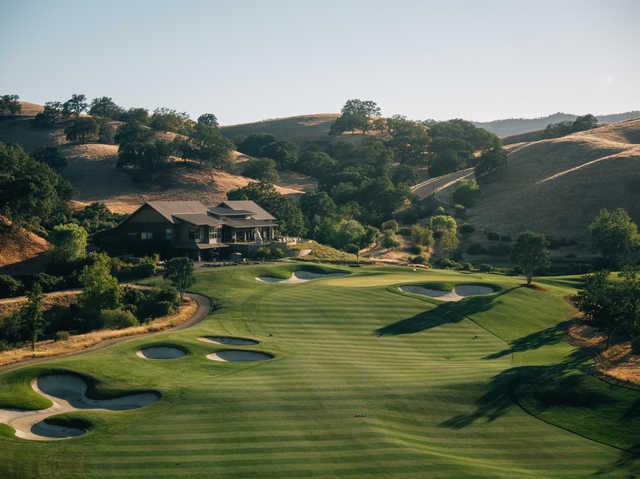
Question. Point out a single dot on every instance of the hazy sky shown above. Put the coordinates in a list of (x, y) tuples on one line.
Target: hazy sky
[(252, 60)]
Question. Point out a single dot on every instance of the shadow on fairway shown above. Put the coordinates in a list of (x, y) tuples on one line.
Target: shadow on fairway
[(444, 313), (552, 335)]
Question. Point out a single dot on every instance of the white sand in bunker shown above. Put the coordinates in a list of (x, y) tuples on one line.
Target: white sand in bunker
[(68, 393), (230, 340), (298, 277), (160, 352), (230, 355), (459, 292)]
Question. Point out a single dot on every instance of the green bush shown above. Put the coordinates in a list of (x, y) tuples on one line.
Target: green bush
[(62, 336), (9, 286), (49, 282), (117, 319), (415, 249), (460, 210), (390, 225), (389, 240), (418, 260), (466, 193)]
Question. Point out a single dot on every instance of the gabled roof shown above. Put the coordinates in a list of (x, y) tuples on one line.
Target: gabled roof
[(246, 205), (169, 209), (199, 219)]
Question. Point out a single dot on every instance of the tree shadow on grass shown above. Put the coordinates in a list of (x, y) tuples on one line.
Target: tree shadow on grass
[(550, 384), (444, 313), (552, 335)]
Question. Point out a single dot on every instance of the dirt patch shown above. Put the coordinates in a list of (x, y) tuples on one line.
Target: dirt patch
[(616, 361), (80, 342), (18, 245)]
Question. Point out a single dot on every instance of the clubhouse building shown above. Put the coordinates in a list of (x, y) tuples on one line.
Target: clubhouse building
[(189, 228)]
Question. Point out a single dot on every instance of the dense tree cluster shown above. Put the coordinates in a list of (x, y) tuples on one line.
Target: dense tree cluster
[(615, 236), (582, 123), (31, 193), (612, 305), (10, 105)]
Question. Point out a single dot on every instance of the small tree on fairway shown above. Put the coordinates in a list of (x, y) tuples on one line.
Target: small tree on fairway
[(180, 272), (32, 317), (530, 253)]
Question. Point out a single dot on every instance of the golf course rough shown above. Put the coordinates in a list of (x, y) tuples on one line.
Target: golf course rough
[(366, 382)]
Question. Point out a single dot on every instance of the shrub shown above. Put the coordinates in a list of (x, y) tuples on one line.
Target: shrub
[(415, 249), (62, 336), (421, 235), (466, 266), (460, 210), (466, 192), (154, 309), (389, 240), (49, 282), (418, 260), (390, 225), (117, 318), (168, 294), (486, 268), (9, 286), (447, 263)]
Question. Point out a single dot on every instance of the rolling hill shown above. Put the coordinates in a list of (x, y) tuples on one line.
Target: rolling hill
[(557, 186), (92, 170), (517, 126), (296, 129)]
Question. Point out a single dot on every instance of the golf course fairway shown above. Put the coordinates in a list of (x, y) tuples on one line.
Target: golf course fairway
[(364, 381)]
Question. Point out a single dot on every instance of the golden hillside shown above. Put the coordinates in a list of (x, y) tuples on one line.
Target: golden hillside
[(296, 129), (92, 171), (18, 244), (557, 186)]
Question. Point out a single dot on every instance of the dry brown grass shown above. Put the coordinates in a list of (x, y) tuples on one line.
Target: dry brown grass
[(616, 361), (557, 186), (59, 298), (18, 244), (81, 342)]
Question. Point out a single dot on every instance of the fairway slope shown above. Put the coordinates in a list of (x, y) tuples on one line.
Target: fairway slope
[(365, 381)]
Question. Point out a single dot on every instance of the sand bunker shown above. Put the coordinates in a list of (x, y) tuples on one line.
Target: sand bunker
[(229, 340), (68, 393), (160, 352), (230, 355), (459, 292), (298, 277)]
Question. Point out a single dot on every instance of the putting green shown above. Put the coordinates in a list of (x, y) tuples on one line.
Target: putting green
[(365, 381)]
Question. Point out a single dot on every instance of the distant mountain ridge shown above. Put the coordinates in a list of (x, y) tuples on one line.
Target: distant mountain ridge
[(516, 126)]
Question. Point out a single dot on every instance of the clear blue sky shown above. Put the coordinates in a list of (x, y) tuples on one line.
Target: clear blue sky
[(252, 60)]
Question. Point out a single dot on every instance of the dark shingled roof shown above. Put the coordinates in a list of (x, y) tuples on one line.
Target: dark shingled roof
[(169, 209), (256, 211), (199, 219)]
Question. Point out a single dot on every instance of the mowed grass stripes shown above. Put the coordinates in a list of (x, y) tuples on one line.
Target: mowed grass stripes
[(366, 382)]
